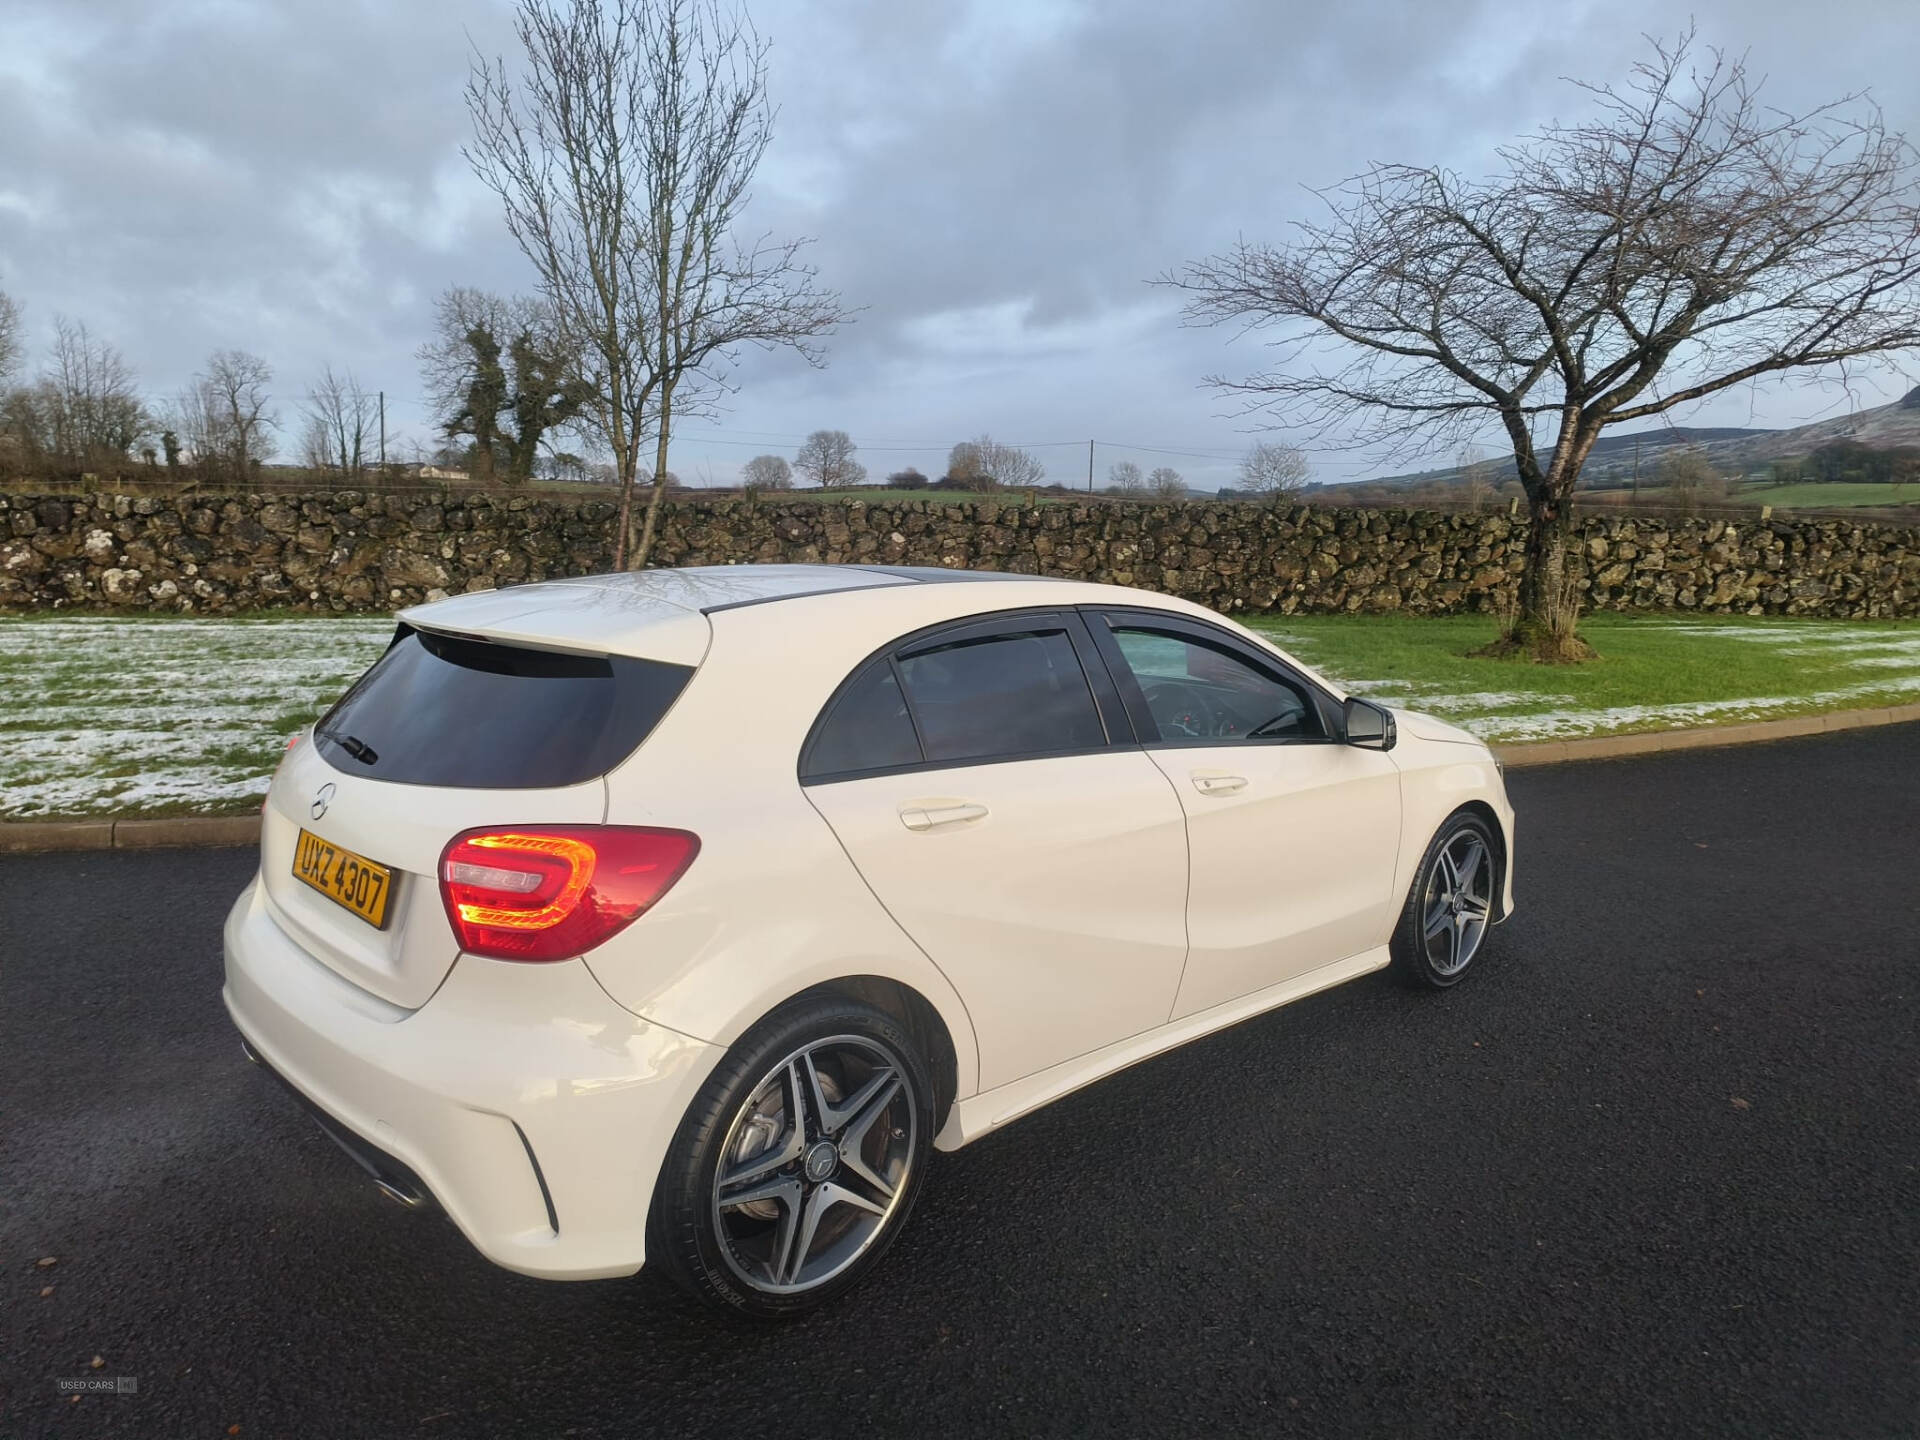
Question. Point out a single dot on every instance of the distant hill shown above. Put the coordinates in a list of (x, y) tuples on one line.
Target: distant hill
[(1733, 451)]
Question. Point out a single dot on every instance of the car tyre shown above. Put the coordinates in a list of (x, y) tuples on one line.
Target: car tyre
[(1451, 906), (798, 1162)]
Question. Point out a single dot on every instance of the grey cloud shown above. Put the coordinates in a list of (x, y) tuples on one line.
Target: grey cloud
[(993, 182)]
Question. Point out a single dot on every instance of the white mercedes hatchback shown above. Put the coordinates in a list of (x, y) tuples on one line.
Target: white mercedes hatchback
[(676, 916)]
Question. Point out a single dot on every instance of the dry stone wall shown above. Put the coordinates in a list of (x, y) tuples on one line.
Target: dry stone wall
[(350, 551)]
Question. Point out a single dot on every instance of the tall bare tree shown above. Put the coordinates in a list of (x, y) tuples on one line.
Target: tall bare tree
[(1683, 240), (86, 406), (987, 463), (222, 420), (342, 425), (1689, 478), (500, 371), (1479, 477), (767, 472), (237, 386), (827, 460), (10, 346), (623, 159), (1167, 483), (1273, 471), (1124, 477)]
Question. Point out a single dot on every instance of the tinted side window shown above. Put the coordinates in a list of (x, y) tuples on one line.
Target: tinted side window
[(1201, 692), (435, 710), (868, 728), (1005, 695)]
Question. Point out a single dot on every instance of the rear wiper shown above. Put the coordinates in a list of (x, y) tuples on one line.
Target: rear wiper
[(357, 748)]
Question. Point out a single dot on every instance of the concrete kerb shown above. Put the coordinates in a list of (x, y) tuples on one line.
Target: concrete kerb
[(1653, 742)]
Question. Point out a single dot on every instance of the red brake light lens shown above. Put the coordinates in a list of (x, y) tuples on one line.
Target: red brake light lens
[(550, 892)]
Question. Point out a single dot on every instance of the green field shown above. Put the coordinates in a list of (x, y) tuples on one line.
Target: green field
[(163, 715), (936, 497), (1839, 496), (1827, 497), (1654, 672)]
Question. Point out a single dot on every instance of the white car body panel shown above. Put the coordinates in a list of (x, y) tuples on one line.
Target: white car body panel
[(989, 1110), (1059, 912), (1057, 938), (1288, 870), (597, 1092)]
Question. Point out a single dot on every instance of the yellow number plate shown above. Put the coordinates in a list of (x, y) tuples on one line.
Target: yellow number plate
[(344, 878)]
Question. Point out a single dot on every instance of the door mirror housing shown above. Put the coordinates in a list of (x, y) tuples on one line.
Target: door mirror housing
[(1368, 725)]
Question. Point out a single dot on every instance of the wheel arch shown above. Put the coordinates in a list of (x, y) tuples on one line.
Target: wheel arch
[(918, 1014), (1481, 810)]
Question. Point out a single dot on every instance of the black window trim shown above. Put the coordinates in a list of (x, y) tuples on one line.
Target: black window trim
[(1115, 722), (1102, 620)]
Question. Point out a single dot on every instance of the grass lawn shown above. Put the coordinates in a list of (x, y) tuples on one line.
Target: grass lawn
[(937, 497), (1654, 672), (163, 715), (1788, 497), (1827, 497), (155, 715)]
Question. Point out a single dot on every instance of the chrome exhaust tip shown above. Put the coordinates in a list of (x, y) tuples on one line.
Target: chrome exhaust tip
[(399, 1197)]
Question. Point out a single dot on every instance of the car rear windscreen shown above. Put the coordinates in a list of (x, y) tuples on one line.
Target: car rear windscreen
[(471, 714)]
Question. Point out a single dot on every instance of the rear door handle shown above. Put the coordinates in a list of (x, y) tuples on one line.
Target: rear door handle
[(932, 817), (1212, 782)]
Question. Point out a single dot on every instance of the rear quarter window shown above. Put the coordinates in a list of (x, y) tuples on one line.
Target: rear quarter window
[(472, 714)]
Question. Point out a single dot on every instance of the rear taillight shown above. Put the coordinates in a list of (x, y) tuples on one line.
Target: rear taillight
[(550, 892)]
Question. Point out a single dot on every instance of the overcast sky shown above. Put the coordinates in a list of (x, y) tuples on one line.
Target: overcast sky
[(993, 182)]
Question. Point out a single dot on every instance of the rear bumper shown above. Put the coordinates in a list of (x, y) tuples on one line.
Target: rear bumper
[(521, 1098)]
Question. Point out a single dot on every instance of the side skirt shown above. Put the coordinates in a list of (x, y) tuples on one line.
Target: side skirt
[(977, 1115)]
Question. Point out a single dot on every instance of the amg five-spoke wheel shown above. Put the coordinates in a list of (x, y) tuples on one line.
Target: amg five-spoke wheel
[(799, 1161), (1451, 905), (814, 1163), (1459, 903)]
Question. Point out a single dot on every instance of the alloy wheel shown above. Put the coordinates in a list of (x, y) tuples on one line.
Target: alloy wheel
[(1458, 905), (814, 1164)]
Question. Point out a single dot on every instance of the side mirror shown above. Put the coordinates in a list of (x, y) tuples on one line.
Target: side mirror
[(1368, 725)]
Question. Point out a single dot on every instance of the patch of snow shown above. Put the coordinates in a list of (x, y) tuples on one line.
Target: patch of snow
[(112, 715), (1571, 724)]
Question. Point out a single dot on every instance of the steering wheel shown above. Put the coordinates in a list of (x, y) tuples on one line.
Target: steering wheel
[(1182, 710)]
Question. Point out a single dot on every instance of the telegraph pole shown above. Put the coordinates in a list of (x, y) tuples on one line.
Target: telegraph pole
[(1089, 467), (383, 429)]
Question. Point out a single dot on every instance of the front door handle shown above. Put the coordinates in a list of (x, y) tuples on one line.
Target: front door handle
[(920, 818), (1213, 782)]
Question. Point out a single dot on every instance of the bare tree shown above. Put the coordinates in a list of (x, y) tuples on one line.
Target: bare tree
[(89, 398), (767, 472), (987, 464), (826, 459), (624, 164), (191, 418), (226, 413), (1273, 471), (1478, 477), (1166, 483), (1682, 241), (1688, 478), (342, 425), (10, 347), (501, 372), (1125, 478)]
